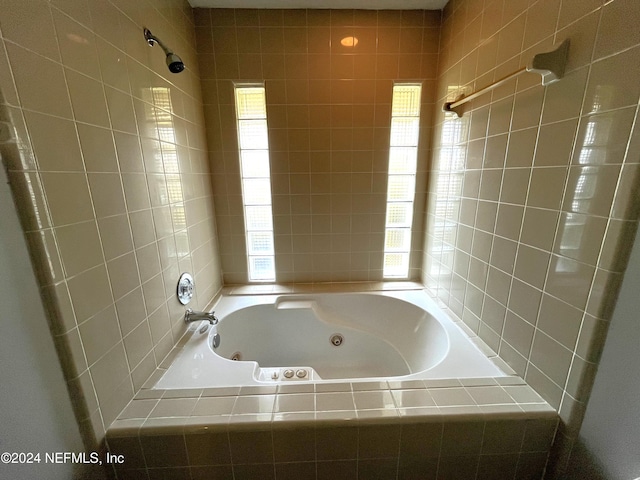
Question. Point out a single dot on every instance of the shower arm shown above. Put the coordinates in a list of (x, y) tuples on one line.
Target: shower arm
[(152, 40)]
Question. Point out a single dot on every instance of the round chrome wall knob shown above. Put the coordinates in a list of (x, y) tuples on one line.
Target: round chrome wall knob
[(185, 288)]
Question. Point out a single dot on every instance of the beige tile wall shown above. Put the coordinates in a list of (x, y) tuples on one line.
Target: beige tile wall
[(531, 204), (328, 109), (107, 160), (395, 431), (488, 449)]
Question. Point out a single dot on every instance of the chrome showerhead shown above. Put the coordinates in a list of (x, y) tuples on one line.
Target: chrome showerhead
[(174, 62)]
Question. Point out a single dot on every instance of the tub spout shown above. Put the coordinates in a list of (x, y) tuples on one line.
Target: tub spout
[(191, 316)]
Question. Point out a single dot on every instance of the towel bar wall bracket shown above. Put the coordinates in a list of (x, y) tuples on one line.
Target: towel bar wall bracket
[(550, 65)]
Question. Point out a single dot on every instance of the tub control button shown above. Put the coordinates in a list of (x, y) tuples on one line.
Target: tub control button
[(274, 376), (288, 373), (301, 373)]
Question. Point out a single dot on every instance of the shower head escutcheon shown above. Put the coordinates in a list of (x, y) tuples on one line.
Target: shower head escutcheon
[(174, 62)]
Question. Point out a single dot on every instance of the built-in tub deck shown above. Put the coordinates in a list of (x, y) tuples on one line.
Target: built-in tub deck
[(491, 427)]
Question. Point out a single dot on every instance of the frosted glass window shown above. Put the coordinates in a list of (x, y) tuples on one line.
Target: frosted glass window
[(257, 191), (401, 187), (253, 134), (255, 163), (402, 160), (399, 215), (250, 102), (260, 243), (396, 264), (405, 131), (406, 101), (258, 218), (397, 239), (253, 140), (262, 268)]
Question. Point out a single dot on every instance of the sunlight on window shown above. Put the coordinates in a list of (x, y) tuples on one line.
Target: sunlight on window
[(251, 111), (403, 154)]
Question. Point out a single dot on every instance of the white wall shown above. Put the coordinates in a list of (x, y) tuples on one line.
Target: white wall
[(610, 434), (35, 409)]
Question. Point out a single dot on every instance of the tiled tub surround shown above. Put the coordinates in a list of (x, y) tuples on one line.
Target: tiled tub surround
[(107, 162), (484, 427), (533, 201), (480, 428), (388, 335), (329, 116), (523, 158)]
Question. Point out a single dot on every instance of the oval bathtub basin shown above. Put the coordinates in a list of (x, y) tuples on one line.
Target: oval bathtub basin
[(271, 339), (373, 336)]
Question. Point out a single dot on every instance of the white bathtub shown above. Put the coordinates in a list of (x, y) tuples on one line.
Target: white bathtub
[(395, 335)]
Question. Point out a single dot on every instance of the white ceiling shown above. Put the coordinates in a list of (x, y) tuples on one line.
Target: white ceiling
[(349, 4)]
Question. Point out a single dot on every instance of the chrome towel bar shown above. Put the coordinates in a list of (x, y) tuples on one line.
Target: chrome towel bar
[(550, 65)]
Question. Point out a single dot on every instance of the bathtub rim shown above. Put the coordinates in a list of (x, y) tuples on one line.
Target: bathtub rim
[(456, 332), (146, 424)]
